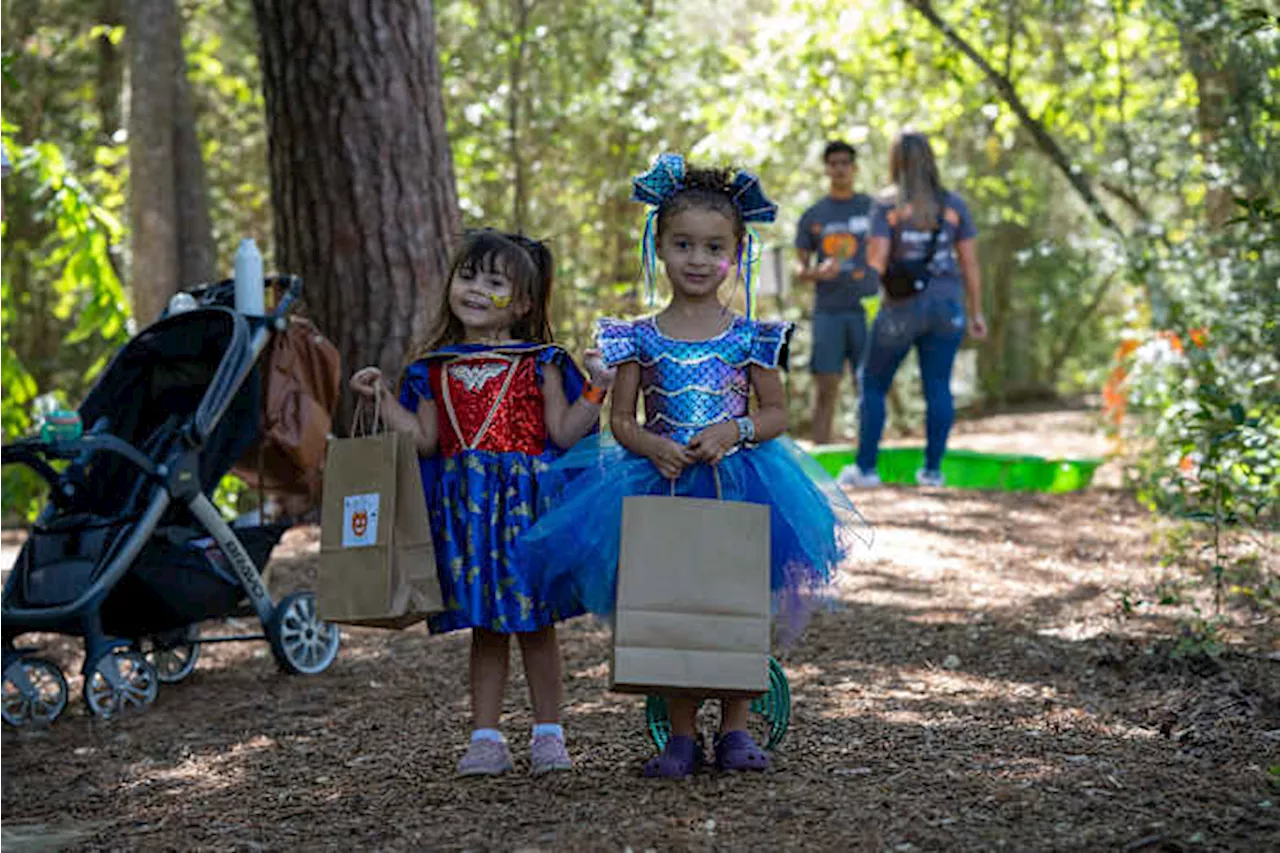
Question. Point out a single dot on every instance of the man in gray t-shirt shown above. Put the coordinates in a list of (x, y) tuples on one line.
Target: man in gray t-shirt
[(834, 233)]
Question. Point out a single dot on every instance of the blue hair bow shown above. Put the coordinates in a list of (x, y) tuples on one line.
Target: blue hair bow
[(664, 179)]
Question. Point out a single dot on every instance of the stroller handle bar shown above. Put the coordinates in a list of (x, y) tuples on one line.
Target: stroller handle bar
[(291, 285), (26, 451), (34, 453), (288, 290)]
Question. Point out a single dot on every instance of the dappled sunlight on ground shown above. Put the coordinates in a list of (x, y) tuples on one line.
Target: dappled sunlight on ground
[(973, 685)]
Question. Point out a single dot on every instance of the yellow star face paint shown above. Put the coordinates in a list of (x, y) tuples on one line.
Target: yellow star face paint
[(500, 300)]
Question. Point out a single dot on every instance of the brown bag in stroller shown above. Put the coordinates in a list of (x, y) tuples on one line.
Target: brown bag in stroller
[(302, 376)]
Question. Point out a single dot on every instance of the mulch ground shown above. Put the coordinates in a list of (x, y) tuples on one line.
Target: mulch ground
[(975, 686)]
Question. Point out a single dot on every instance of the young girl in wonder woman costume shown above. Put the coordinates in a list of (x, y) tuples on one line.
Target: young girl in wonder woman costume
[(696, 364), (490, 403)]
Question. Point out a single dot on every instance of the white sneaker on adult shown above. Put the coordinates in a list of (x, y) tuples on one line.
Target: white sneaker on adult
[(853, 477), (932, 479)]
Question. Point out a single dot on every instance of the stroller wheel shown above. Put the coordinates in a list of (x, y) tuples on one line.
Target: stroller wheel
[(174, 655), (302, 643), (35, 692), (121, 680)]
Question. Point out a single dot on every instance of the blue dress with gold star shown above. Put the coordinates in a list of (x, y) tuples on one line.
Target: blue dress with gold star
[(490, 481)]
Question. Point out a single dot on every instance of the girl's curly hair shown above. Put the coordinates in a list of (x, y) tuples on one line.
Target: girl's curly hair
[(704, 189)]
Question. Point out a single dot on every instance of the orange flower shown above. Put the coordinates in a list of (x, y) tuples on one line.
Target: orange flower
[(1114, 401), (1186, 465), (1199, 336), (1175, 343)]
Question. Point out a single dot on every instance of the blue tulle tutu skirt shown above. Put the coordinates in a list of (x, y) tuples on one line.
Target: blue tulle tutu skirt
[(814, 526)]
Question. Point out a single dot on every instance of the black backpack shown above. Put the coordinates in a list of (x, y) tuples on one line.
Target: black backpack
[(904, 279)]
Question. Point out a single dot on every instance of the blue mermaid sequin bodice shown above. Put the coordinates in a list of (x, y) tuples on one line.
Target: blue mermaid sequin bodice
[(690, 385)]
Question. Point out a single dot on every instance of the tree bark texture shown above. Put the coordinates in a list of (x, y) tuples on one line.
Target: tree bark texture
[(362, 183), (110, 71), (169, 205), (197, 254), (1213, 106), (152, 176), (520, 10)]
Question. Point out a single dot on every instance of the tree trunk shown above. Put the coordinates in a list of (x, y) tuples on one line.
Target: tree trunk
[(1213, 95), (999, 262), (197, 256), (110, 72), (626, 153), (152, 177), (169, 206), (362, 184), (515, 100)]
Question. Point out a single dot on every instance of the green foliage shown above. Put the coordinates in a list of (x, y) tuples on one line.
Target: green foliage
[(553, 105), (1196, 399), (73, 255), (220, 40), (82, 234), (228, 495), (1199, 637), (765, 84)]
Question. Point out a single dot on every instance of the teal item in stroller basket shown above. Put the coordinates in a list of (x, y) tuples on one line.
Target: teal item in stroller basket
[(130, 553), (61, 425)]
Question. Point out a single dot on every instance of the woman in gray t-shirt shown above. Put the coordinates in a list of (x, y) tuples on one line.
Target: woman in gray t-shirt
[(934, 320)]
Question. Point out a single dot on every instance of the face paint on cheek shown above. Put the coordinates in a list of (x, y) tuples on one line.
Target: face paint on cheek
[(724, 266), (500, 300)]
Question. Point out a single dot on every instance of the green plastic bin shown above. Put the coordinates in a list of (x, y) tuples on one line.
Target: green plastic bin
[(969, 469)]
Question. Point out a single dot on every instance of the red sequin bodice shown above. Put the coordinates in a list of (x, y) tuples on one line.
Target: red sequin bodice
[(496, 400)]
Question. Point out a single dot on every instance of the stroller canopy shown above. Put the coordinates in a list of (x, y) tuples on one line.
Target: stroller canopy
[(185, 372)]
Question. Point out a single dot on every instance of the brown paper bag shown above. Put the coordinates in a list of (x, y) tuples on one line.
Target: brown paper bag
[(377, 561), (692, 614)]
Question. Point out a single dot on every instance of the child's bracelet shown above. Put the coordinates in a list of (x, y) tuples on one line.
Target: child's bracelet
[(594, 394), (746, 429)]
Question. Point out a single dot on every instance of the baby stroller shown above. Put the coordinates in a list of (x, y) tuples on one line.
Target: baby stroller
[(131, 553)]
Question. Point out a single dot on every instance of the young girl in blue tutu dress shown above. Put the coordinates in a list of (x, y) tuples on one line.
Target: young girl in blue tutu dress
[(696, 363), (490, 403)]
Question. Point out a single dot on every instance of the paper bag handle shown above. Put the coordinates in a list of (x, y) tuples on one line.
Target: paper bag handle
[(363, 424), (715, 472)]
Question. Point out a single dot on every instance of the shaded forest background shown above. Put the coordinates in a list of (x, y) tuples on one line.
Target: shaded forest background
[(1118, 156)]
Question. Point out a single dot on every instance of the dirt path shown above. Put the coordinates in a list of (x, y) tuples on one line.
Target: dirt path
[(972, 689)]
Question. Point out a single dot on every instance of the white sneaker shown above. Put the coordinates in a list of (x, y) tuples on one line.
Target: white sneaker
[(853, 477), (932, 479)]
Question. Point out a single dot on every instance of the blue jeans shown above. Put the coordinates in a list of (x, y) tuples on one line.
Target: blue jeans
[(933, 322)]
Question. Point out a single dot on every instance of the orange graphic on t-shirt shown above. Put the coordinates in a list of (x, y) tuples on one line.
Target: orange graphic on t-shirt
[(839, 245)]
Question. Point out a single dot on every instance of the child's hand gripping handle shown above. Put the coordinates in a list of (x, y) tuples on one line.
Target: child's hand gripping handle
[(367, 382), (361, 423)]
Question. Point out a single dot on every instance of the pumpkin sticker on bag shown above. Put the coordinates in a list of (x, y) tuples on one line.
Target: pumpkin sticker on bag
[(360, 520)]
